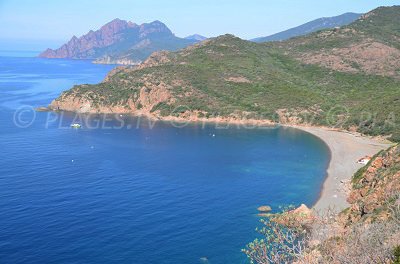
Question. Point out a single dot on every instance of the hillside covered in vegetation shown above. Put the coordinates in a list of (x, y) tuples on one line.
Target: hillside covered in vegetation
[(347, 77)]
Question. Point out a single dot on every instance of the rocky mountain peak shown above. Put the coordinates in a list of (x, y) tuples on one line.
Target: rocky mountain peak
[(125, 37), (115, 26), (154, 27)]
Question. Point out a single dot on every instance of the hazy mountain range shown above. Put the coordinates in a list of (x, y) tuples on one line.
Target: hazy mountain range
[(125, 42), (121, 41), (196, 37), (310, 27)]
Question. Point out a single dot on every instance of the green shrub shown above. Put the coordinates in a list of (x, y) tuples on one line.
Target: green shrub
[(396, 255)]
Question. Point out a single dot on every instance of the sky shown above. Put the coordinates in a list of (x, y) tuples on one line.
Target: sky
[(36, 24)]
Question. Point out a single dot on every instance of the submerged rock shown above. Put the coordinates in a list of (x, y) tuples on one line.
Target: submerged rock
[(266, 215)]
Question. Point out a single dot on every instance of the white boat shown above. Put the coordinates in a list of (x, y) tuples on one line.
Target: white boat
[(76, 126)]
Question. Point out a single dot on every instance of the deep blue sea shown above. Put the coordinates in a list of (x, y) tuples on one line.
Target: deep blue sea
[(143, 193)]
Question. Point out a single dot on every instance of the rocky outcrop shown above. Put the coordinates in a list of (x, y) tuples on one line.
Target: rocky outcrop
[(300, 216), (375, 187), (143, 103), (84, 47), (264, 208), (155, 59), (120, 42)]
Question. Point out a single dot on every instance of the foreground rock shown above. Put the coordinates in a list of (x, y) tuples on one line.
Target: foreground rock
[(301, 216)]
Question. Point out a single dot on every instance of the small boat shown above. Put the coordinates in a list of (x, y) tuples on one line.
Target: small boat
[(76, 126)]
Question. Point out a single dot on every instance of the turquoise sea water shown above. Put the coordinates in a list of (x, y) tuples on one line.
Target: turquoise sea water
[(143, 193)]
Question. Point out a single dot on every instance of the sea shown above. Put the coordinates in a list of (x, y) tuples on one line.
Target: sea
[(125, 189)]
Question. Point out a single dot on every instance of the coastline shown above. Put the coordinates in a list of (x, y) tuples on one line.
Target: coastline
[(346, 148)]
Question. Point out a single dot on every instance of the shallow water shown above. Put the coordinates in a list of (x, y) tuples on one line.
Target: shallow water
[(139, 194)]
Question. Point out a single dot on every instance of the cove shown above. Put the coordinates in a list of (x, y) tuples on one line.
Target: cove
[(140, 193)]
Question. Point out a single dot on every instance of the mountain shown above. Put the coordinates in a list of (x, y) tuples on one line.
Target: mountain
[(120, 40), (370, 45), (310, 27), (345, 78), (196, 37)]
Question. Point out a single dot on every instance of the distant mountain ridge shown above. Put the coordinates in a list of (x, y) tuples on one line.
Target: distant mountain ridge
[(196, 37), (120, 40), (312, 26)]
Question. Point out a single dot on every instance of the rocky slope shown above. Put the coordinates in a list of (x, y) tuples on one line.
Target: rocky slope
[(312, 26), (370, 45), (84, 47), (229, 77), (120, 41), (376, 188), (368, 231)]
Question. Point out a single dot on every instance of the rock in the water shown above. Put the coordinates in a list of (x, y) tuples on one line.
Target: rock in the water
[(42, 109), (264, 208)]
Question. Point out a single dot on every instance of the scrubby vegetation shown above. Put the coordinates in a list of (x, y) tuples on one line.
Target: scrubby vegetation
[(227, 75), (396, 254)]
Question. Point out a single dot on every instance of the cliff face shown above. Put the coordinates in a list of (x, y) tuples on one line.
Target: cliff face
[(83, 47), (120, 40), (147, 96), (376, 187)]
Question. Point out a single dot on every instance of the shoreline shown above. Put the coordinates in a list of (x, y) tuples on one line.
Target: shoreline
[(345, 149)]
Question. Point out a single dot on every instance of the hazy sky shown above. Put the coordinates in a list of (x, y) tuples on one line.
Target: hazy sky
[(52, 22)]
